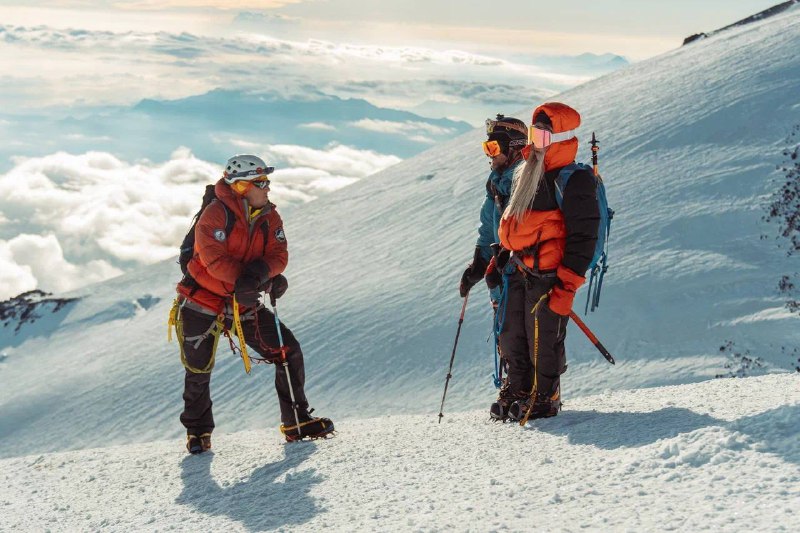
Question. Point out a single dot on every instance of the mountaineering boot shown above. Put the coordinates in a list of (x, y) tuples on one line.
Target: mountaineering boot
[(198, 444), (310, 427), (518, 409), (499, 409), (544, 406)]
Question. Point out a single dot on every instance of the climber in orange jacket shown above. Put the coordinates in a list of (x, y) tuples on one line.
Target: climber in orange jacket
[(545, 252), (240, 251)]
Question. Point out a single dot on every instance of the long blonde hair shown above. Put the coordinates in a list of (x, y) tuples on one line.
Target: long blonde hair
[(527, 178)]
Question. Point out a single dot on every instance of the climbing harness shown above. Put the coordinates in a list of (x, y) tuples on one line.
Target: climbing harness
[(216, 329)]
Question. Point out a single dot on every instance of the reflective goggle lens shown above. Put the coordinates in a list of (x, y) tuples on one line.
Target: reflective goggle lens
[(492, 148), (242, 186), (539, 138)]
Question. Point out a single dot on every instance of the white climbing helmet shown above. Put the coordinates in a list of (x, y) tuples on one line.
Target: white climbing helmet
[(245, 167)]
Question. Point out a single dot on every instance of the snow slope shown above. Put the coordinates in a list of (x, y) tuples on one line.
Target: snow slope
[(715, 456), (689, 142)]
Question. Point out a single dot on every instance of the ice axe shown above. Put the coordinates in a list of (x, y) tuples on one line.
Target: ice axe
[(591, 337)]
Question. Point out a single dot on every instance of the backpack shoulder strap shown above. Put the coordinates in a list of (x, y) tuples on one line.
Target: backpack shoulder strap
[(230, 218), (563, 178)]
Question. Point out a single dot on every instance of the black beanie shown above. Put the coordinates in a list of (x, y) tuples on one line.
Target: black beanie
[(543, 118)]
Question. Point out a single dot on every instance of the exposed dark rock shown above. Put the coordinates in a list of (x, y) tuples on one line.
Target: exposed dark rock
[(29, 307), (761, 15), (695, 37)]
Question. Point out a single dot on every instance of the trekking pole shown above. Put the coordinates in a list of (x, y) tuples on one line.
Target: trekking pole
[(591, 336), (595, 148), (453, 356), (285, 363)]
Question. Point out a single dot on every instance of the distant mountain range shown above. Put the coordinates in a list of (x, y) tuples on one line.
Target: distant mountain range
[(210, 125)]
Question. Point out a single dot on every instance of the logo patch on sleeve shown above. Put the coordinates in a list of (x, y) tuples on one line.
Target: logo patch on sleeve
[(219, 234), (280, 235)]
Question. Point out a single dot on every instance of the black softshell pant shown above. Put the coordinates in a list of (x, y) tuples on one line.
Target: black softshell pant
[(535, 352), (197, 416)]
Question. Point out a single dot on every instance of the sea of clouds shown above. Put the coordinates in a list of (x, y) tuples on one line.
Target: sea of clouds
[(74, 210), (91, 66), (67, 220)]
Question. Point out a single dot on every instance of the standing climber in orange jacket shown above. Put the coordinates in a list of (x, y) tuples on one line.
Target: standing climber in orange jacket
[(240, 251), (545, 252)]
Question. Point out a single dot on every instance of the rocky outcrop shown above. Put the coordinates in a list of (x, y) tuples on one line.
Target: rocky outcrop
[(29, 307), (772, 11)]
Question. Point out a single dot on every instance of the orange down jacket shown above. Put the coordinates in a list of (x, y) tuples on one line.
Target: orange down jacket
[(545, 227), (565, 237), (218, 260)]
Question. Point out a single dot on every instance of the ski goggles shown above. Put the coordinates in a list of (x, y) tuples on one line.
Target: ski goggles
[(246, 175), (492, 148), (243, 186), (540, 138)]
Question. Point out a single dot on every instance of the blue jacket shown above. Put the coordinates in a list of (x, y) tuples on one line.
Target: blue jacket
[(499, 183)]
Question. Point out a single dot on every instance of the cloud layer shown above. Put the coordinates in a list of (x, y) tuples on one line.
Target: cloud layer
[(176, 65), (68, 220)]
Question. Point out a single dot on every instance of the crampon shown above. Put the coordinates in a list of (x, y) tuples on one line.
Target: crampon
[(313, 429)]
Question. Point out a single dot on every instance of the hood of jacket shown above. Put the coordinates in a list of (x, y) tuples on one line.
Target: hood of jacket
[(563, 118)]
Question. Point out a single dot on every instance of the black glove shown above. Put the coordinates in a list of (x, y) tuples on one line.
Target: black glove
[(279, 286), (473, 274), (502, 258), (258, 270), (494, 272), (253, 276)]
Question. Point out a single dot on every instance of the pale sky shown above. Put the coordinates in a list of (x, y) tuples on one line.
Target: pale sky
[(636, 29), (64, 62)]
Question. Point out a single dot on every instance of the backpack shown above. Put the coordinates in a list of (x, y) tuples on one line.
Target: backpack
[(187, 246), (599, 264)]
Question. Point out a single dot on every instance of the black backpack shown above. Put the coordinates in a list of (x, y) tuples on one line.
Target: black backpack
[(187, 246)]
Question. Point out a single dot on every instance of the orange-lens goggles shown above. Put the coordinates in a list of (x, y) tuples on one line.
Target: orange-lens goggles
[(492, 148), (241, 187)]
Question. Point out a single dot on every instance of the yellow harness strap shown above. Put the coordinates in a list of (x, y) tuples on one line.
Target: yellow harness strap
[(217, 328), (237, 325), (176, 321), (535, 357), (172, 322)]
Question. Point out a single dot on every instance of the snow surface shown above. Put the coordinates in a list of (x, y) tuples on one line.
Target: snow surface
[(689, 145), (715, 456)]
